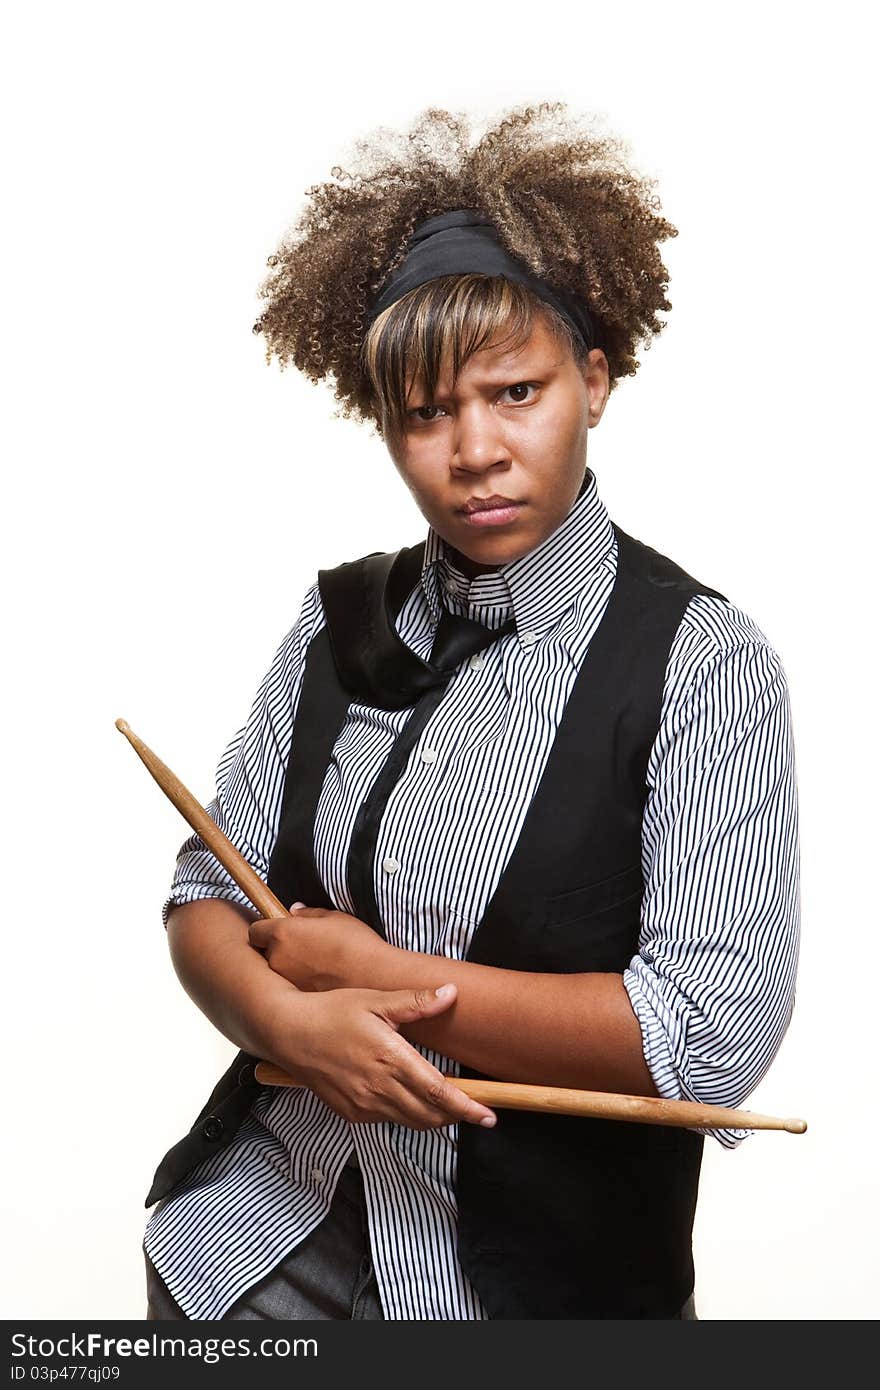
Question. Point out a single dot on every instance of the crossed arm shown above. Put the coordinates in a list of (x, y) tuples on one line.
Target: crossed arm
[(698, 1015), (339, 1009), (515, 1025)]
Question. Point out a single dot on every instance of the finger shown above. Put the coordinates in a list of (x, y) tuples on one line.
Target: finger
[(444, 1096), (259, 933), (430, 1101), (430, 1093), (409, 1005)]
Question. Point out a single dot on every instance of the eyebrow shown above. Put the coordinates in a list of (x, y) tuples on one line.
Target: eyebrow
[(501, 375)]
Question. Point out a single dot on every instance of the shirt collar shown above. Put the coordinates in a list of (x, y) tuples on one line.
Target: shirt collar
[(541, 585)]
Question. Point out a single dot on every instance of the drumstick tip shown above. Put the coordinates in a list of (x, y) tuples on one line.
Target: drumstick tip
[(122, 726), (796, 1126)]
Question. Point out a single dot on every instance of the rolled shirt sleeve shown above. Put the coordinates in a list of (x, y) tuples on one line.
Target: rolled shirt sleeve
[(250, 776), (713, 982)]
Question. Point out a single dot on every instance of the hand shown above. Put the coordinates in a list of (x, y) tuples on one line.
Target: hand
[(344, 1044), (318, 949)]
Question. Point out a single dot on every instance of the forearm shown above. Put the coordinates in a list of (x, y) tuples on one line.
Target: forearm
[(224, 976), (339, 1044), (514, 1025)]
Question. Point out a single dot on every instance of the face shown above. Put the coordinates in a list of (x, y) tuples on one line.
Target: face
[(514, 427)]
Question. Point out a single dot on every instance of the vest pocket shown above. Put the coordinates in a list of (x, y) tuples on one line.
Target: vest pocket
[(594, 928), (577, 904)]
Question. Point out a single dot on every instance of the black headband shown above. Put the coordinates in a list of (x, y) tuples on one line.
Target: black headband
[(464, 241)]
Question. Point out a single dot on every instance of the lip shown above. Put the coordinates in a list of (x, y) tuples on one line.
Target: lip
[(483, 504), (490, 511)]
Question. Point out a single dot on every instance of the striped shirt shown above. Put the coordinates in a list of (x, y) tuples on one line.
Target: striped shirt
[(712, 983)]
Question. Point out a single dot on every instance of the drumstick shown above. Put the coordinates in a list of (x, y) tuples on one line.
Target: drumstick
[(501, 1094), (250, 883), (559, 1100)]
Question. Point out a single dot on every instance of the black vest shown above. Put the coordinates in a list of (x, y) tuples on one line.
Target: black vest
[(558, 1216)]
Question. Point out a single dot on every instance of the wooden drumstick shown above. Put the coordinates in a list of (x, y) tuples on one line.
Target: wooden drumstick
[(501, 1094), (512, 1095), (250, 883)]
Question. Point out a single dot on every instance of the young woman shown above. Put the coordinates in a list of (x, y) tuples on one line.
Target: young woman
[(528, 787)]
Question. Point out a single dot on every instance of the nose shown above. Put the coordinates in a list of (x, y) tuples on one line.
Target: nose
[(477, 442)]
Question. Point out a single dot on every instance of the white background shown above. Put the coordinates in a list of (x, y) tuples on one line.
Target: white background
[(169, 497)]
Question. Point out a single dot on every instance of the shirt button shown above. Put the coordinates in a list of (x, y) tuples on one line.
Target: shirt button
[(477, 661), (318, 1175), (390, 865), (429, 755), (449, 586), (528, 639)]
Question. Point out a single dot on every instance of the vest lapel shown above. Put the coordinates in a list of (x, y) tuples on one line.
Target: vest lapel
[(323, 706)]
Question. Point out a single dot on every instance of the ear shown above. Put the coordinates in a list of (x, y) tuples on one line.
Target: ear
[(597, 379)]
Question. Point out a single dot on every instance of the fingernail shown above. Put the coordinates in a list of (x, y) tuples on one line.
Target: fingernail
[(444, 991), (293, 905), (488, 1121)]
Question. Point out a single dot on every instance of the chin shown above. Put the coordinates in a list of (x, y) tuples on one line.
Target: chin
[(501, 553)]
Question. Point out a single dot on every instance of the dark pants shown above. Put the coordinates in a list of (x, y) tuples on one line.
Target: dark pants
[(329, 1274)]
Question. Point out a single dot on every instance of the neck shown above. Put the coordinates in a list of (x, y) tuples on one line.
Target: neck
[(469, 567)]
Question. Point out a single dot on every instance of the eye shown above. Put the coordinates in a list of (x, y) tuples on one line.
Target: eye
[(423, 414), (519, 387)]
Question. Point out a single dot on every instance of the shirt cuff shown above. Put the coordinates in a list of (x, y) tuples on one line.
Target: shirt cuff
[(197, 892), (659, 1057)]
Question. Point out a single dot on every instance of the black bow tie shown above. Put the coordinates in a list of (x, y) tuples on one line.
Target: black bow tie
[(361, 601)]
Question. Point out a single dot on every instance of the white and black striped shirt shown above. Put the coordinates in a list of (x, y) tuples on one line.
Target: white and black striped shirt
[(712, 983)]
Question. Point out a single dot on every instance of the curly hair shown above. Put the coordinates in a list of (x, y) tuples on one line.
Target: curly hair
[(561, 194)]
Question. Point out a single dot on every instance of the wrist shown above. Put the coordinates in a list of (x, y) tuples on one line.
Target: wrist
[(278, 1019), (371, 964), (360, 959)]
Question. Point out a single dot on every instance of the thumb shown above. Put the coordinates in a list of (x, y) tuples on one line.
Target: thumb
[(409, 1005)]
